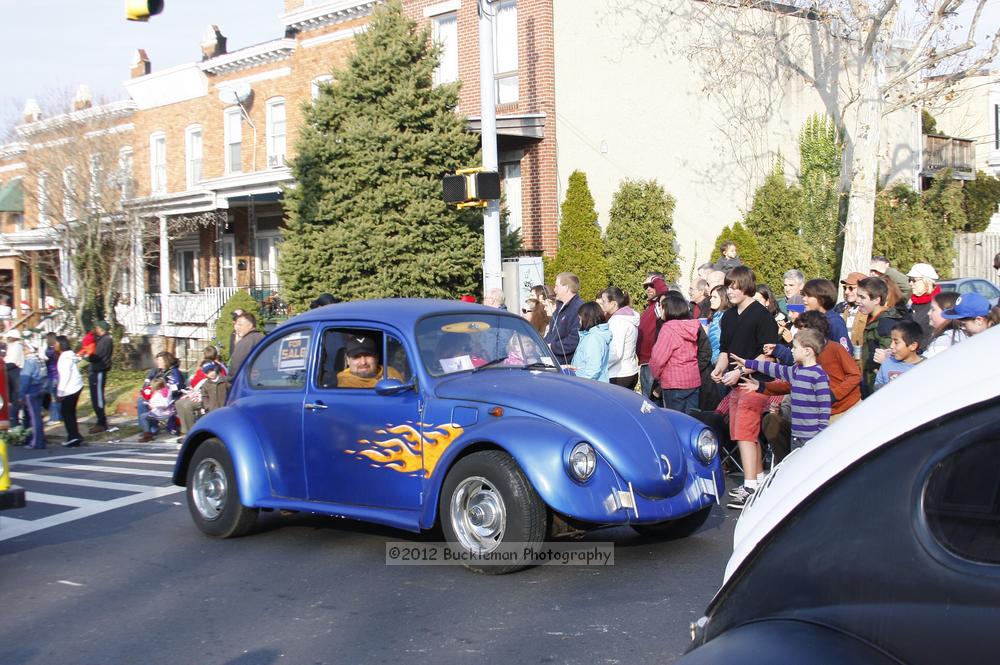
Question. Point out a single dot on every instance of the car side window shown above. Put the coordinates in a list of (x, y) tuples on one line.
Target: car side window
[(281, 364), (962, 502), (398, 362), (354, 358), (985, 289)]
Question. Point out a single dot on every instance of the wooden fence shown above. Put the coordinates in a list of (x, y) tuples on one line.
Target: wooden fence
[(974, 254)]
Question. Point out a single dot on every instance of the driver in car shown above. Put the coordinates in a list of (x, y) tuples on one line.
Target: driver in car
[(363, 367)]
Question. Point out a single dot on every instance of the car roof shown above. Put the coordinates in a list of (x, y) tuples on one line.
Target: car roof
[(401, 312), (959, 377)]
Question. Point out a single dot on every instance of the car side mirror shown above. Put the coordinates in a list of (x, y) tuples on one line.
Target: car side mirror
[(392, 387)]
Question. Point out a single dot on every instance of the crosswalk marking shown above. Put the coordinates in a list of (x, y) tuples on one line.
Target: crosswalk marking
[(63, 469), (105, 469), (61, 480)]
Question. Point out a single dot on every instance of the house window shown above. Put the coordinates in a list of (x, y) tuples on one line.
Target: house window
[(314, 88), (69, 194), (125, 174), (275, 133), (187, 270), (444, 31), (234, 140), (158, 163), (267, 260), (43, 199), (227, 262), (96, 184), (193, 151), (511, 174), (18, 221), (505, 50)]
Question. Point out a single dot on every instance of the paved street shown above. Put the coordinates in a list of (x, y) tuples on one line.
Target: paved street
[(105, 566)]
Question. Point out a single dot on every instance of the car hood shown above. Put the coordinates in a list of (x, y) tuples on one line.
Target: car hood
[(947, 382), (636, 438)]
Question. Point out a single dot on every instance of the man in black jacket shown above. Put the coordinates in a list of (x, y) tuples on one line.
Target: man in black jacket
[(100, 364), (564, 329), (247, 337)]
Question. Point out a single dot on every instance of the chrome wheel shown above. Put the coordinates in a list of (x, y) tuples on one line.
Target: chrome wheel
[(478, 515), (209, 488)]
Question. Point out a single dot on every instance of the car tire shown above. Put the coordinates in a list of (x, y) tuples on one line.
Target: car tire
[(212, 494), (678, 528), (486, 500)]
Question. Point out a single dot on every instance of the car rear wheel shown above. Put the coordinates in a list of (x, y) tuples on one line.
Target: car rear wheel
[(679, 528), (213, 498), (487, 501)]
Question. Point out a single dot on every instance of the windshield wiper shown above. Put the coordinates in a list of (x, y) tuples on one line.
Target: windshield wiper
[(538, 365), (492, 362)]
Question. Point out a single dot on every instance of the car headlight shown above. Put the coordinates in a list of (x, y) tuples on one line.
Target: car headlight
[(707, 445), (582, 461)]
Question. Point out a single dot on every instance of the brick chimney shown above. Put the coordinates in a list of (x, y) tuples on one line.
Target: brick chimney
[(213, 43), (140, 64), (292, 5), (83, 98), (32, 111)]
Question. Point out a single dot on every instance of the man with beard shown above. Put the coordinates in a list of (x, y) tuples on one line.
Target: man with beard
[(363, 367)]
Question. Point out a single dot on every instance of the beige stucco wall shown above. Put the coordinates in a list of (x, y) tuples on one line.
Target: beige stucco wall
[(631, 103)]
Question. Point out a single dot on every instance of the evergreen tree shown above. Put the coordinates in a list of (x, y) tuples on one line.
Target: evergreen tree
[(903, 229), (581, 250), (640, 236), (774, 219), (366, 218), (820, 154), (982, 196), (747, 246), (943, 202), (224, 324)]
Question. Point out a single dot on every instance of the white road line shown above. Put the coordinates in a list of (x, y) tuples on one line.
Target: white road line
[(170, 455), (12, 528), (134, 459), (101, 469), (75, 456), (59, 500), (62, 480)]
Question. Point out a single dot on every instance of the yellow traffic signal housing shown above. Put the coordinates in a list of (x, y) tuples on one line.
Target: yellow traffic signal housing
[(141, 10), (471, 187)]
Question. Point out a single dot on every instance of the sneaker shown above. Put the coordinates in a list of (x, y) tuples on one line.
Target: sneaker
[(95, 429), (739, 490), (740, 500), (72, 443)]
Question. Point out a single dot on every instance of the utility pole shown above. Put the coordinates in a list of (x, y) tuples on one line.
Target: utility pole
[(492, 268)]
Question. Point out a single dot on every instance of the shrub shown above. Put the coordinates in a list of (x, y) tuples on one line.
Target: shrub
[(581, 249), (640, 235), (224, 326)]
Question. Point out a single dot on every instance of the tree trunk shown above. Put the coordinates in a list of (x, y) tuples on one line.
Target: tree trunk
[(864, 130)]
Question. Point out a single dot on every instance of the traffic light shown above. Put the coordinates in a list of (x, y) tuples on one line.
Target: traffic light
[(471, 187), (141, 10)]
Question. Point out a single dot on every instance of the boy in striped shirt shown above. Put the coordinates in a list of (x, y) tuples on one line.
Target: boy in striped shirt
[(811, 396)]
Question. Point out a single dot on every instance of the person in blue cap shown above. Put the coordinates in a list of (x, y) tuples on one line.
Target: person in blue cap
[(973, 313)]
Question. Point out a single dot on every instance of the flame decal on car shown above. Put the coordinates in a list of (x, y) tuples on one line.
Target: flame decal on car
[(407, 450)]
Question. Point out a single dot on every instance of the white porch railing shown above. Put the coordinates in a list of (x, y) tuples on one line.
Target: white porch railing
[(201, 309)]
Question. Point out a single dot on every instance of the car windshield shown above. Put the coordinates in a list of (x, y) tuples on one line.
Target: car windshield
[(465, 342)]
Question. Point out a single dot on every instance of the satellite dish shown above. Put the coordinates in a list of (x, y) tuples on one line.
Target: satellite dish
[(236, 94)]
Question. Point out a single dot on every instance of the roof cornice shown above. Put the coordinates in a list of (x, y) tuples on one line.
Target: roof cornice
[(114, 110), (328, 13), (252, 56)]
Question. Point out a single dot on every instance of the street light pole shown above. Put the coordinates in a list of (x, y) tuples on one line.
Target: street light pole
[(492, 269)]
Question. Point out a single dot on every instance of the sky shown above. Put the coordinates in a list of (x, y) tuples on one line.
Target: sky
[(49, 47)]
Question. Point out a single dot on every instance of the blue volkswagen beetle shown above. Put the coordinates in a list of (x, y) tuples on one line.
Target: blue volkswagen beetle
[(413, 412)]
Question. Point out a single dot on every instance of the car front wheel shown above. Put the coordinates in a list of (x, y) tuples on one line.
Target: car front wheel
[(487, 501), (213, 498), (678, 528)]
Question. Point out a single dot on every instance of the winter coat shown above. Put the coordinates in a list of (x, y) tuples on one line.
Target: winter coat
[(213, 393), (564, 330), (838, 331), (591, 357), (33, 377), (173, 377), (944, 341), (624, 326), (675, 356), (70, 381), (920, 311), (100, 359), (877, 335), (714, 334), (648, 323)]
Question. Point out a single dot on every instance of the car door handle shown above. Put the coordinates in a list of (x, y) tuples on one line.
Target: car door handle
[(318, 406)]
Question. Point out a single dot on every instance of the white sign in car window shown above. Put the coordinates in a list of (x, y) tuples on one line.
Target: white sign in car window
[(293, 352), (456, 364)]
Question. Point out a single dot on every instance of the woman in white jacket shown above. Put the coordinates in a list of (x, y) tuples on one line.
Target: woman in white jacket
[(68, 390), (623, 368)]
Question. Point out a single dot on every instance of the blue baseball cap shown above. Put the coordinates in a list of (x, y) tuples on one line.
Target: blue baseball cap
[(968, 306)]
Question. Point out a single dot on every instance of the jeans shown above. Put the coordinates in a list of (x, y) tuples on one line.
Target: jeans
[(53, 404), (34, 405), (684, 400), (645, 380)]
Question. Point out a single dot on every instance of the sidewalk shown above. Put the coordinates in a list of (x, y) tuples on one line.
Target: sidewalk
[(121, 429)]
